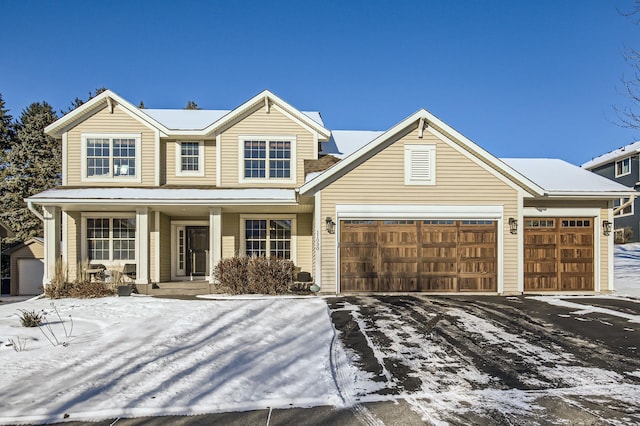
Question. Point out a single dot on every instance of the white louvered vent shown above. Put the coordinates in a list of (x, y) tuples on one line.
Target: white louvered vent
[(420, 164)]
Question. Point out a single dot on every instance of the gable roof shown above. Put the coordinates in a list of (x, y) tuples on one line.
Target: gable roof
[(34, 240), (616, 154), (174, 122), (430, 120), (559, 178)]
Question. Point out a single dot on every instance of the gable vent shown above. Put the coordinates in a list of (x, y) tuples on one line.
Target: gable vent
[(420, 164)]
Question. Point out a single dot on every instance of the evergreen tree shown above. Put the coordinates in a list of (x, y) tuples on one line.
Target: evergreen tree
[(77, 101), (6, 127), (33, 164), (141, 105), (192, 105)]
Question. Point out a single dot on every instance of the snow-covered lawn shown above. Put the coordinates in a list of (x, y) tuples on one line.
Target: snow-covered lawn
[(142, 356), (627, 269), (135, 356)]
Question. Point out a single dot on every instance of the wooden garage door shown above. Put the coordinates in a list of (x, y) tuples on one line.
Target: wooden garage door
[(558, 254), (418, 255)]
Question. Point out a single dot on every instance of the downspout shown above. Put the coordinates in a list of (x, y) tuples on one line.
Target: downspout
[(34, 210)]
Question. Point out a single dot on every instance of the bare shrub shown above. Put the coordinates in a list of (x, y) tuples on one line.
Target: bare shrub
[(30, 318), (232, 274), (270, 275), (83, 287), (623, 236), (255, 275)]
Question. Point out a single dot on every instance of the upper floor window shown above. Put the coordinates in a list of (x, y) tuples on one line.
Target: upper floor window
[(190, 159), (264, 158), (623, 167), (420, 164), (110, 156)]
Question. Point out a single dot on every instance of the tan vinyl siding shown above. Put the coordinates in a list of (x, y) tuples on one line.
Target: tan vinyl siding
[(459, 181), (230, 235), (304, 242), (169, 169), (34, 250), (165, 247), (261, 123), (105, 122), (153, 238)]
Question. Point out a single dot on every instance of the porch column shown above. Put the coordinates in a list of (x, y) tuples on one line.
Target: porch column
[(142, 245), (215, 240), (52, 225)]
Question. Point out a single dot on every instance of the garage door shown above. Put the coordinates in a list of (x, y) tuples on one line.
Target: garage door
[(418, 255), (558, 254), (30, 273)]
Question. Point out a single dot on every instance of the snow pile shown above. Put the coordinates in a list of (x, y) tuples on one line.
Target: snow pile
[(144, 356)]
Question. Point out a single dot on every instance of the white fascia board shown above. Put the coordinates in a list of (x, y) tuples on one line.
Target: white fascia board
[(275, 100), (54, 129), (608, 195), (413, 211), (432, 121), (164, 202)]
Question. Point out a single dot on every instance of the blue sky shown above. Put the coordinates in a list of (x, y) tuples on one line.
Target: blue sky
[(520, 78)]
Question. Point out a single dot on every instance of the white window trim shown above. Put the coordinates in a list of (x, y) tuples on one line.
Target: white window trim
[(200, 171), (616, 167), (622, 201), (293, 159), (84, 255), (110, 178), (294, 231), (408, 150)]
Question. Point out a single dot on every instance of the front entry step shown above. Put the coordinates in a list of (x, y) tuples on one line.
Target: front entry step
[(177, 288)]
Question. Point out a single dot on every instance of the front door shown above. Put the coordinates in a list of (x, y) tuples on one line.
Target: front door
[(197, 250)]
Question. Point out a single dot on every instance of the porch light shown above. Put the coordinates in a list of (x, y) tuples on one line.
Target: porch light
[(513, 225), (331, 225), (606, 227)]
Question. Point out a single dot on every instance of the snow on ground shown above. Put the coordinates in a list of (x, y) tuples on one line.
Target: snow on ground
[(137, 356), (627, 269)]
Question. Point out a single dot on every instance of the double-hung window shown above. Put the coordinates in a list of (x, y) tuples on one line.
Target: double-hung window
[(189, 159), (623, 167), (268, 237), (110, 239), (106, 157), (267, 158)]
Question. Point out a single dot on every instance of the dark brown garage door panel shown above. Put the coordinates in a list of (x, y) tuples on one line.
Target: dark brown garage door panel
[(558, 254), (418, 255)]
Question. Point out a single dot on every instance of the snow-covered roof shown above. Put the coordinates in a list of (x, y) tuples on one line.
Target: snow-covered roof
[(198, 119), (558, 177), (345, 142), (625, 151), (165, 196)]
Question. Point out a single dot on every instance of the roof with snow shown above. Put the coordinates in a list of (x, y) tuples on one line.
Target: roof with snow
[(345, 142), (558, 177), (625, 151), (165, 196), (199, 119)]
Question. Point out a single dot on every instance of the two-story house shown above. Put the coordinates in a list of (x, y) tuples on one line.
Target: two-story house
[(623, 166), (418, 207)]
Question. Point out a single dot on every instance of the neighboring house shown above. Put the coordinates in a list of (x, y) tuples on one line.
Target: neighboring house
[(622, 166), (26, 265), (418, 207), (5, 232)]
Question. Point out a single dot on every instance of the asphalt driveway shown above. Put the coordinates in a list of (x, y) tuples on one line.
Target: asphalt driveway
[(498, 360)]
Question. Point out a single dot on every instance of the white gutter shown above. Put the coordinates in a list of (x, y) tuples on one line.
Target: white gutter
[(34, 211), (164, 202)]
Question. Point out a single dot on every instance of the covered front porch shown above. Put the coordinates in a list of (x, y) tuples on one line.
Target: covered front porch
[(173, 243)]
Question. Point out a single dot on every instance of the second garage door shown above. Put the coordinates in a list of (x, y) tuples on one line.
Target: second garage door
[(418, 255), (558, 254)]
